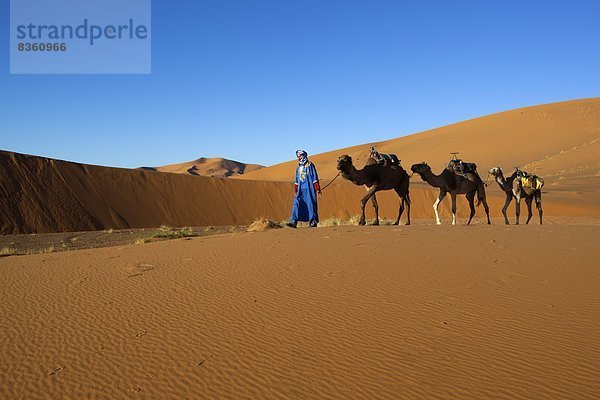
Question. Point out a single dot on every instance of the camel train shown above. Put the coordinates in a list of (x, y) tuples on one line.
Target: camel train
[(384, 172)]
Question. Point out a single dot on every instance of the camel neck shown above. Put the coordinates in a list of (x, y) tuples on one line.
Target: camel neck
[(502, 182), (354, 175), (433, 179)]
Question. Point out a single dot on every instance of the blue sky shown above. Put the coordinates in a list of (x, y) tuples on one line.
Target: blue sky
[(255, 80)]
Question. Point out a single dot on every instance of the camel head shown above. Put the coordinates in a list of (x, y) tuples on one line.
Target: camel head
[(496, 172), (420, 168), (344, 162)]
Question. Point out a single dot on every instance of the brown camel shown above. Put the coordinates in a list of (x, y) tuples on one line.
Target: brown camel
[(448, 182), (377, 177), (514, 188)]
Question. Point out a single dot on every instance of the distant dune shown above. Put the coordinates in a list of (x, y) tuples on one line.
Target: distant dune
[(214, 167), (560, 142)]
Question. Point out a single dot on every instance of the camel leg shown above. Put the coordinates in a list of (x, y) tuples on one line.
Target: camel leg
[(453, 197), (471, 199), (436, 206), (376, 208), (538, 204), (400, 211), (518, 207), (401, 208), (509, 197), (528, 201), (487, 209), (407, 199), (363, 202)]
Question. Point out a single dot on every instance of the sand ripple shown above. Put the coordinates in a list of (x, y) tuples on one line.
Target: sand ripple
[(330, 313)]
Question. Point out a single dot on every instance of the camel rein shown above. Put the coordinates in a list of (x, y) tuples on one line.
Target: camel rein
[(331, 181), (487, 178)]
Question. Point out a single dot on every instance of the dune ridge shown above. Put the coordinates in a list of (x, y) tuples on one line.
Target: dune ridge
[(215, 167), (560, 141)]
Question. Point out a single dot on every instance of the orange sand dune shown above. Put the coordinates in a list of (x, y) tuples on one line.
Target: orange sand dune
[(214, 167), (559, 141), (45, 195), (420, 312)]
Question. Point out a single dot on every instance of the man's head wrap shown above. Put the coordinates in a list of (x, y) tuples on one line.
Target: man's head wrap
[(302, 156)]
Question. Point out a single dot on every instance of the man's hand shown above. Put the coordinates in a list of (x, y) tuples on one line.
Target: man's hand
[(317, 187)]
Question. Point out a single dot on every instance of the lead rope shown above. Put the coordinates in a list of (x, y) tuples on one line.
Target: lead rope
[(486, 183), (331, 181)]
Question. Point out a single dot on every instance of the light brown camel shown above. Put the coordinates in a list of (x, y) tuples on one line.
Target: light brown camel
[(513, 187)]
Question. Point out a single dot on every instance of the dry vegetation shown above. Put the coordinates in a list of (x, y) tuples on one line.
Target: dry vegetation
[(67, 241), (167, 232), (263, 224)]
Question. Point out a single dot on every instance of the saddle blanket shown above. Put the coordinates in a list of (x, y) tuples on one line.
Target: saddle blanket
[(386, 159), (531, 181), (460, 168)]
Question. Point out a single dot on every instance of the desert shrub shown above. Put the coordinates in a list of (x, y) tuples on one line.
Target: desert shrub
[(263, 224)]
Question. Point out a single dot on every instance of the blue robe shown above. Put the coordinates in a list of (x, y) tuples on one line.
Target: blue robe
[(305, 201)]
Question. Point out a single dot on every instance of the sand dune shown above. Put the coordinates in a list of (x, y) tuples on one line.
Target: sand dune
[(559, 141), (391, 313), (214, 167), (45, 195)]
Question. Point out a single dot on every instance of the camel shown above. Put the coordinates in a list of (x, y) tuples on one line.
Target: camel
[(377, 177), (449, 182), (514, 188)]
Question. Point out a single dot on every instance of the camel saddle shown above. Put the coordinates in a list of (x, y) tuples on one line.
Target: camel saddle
[(391, 160), (459, 167), (529, 181)]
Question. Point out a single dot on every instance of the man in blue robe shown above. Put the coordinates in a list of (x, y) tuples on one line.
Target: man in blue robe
[(306, 188)]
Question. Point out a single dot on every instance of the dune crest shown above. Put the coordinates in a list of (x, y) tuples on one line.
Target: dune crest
[(559, 141), (216, 167)]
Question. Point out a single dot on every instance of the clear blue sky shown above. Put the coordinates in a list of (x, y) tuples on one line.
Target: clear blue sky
[(254, 80)]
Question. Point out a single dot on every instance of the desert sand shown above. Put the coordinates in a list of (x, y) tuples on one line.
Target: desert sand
[(424, 311), (344, 312)]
